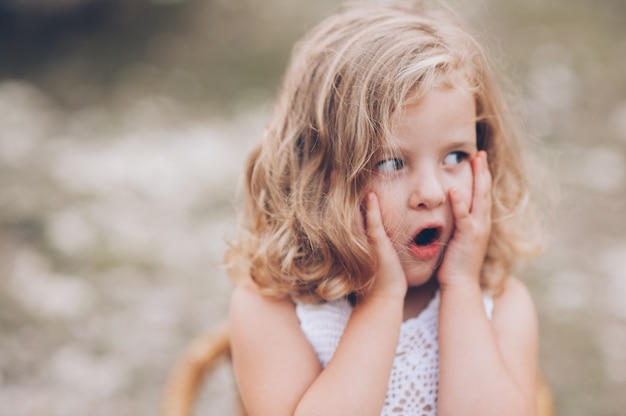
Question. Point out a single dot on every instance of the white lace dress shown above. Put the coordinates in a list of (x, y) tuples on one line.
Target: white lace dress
[(412, 388)]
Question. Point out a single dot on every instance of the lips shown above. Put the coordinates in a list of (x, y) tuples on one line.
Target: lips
[(426, 244)]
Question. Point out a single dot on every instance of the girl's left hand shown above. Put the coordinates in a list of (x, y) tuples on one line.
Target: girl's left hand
[(466, 250)]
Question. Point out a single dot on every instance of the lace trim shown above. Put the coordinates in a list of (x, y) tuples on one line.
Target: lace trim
[(414, 378)]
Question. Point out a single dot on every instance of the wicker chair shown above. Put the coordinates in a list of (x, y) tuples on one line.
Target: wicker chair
[(207, 350)]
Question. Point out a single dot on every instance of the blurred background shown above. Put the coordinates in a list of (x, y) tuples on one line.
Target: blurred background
[(123, 129)]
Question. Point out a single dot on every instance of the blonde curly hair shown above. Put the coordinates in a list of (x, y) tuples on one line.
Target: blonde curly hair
[(301, 233)]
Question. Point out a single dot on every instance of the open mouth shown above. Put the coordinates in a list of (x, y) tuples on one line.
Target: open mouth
[(427, 236), (425, 245)]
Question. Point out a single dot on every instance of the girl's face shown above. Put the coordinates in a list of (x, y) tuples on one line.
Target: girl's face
[(433, 144)]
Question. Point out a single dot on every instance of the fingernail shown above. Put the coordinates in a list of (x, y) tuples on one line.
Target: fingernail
[(483, 159)]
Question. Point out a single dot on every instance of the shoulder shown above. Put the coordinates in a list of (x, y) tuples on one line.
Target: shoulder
[(272, 359), (247, 303), (254, 317), (514, 302)]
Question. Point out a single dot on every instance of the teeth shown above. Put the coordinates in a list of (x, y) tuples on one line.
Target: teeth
[(425, 236)]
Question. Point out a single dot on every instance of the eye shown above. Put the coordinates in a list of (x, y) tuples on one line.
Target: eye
[(389, 165), (454, 158)]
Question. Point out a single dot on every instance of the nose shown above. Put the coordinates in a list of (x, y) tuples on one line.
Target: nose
[(428, 191)]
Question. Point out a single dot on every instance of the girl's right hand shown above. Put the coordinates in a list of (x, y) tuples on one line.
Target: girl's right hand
[(389, 278), (466, 250)]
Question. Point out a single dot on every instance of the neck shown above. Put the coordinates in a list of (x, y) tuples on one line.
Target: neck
[(418, 297)]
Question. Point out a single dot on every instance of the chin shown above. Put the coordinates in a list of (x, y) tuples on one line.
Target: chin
[(415, 278), (419, 273)]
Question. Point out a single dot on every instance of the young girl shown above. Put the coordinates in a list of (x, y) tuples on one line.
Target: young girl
[(385, 207)]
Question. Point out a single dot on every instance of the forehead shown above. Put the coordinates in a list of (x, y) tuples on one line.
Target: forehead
[(443, 113)]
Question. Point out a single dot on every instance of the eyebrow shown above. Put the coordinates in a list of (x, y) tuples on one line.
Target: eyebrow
[(452, 143), (391, 150), (462, 143)]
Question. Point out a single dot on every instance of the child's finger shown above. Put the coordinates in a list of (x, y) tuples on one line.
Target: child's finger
[(373, 219), (481, 200), (460, 211)]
